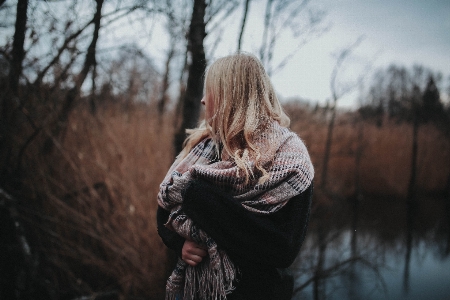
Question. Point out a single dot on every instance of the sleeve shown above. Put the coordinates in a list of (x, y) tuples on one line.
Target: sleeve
[(170, 238), (247, 237)]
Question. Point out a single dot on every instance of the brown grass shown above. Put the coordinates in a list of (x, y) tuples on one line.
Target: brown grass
[(96, 194), (386, 153)]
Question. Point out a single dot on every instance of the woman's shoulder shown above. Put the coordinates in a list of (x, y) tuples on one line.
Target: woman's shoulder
[(291, 140)]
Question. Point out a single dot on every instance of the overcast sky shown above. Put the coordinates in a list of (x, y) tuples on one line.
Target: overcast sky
[(404, 32)]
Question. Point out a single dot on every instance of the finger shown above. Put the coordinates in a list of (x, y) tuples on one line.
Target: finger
[(197, 251), (190, 256), (196, 258), (192, 259), (194, 248), (191, 262)]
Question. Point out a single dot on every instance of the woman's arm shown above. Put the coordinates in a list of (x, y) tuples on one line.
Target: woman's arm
[(170, 238), (191, 252), (273, 239)]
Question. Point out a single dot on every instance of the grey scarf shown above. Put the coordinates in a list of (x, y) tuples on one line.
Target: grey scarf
[(290, 172)]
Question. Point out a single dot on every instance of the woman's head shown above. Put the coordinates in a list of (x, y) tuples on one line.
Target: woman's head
[(240, 99)]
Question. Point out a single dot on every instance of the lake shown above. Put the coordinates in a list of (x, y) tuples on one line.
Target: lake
[(376, 249)]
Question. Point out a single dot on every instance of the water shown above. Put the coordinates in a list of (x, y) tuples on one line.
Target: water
[(358, 252)]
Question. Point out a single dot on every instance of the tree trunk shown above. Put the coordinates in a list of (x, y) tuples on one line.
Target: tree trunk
[(412, 178), (411, 203), (18, 52), (357, 197), (17, 55), (319, 277), (244, 21), (194, 90), (93, 97), (267, 21), (410, 213), (10, 100), (336, 96), (447, 213), (326, 156), (74, 92), (165, 82), (89, 62), (61, 49)]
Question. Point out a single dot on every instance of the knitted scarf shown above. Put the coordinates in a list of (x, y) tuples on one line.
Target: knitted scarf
[(290, 172)]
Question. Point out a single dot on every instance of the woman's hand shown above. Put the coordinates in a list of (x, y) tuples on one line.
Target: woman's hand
[(193, 253)]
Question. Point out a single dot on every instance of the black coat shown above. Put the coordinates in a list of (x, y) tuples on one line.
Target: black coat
[(262, 246)]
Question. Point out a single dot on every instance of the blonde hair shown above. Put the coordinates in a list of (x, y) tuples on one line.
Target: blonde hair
[(244, 103)]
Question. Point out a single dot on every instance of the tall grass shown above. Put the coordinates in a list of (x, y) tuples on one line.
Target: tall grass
[(95, 195), (386, 151)]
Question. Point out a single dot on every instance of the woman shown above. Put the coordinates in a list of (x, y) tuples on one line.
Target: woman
[(235, 203)]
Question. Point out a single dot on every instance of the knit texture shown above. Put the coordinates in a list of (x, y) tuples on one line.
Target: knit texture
[(258, 244), (290, 172)]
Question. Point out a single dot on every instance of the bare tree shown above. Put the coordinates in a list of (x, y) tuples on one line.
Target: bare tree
[(178, 28), (176, 22), (62, 48), (10, 102), (216, 19), (162, 101), (281, 17), (128, 77), (408, 95), (194, 89), (73, 93), (18, 51), (336, 93), (244, 21)]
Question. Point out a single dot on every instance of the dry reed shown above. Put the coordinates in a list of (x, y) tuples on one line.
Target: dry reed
[(98, 201), (96, 194), (385, 163)]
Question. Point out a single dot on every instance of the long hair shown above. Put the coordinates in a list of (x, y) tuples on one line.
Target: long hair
[(244, 103)]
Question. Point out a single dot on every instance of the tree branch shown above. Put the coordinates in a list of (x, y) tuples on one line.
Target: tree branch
[(244, 20), (60, 51)]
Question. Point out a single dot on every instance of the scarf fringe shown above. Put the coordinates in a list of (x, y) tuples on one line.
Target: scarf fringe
[(289, 172), (210, 280)]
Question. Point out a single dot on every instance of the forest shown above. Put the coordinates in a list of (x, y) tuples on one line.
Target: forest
[(89, 126)]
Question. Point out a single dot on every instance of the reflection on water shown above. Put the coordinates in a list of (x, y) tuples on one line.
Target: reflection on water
[(378, 249)]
